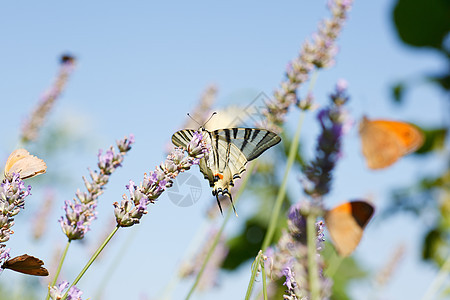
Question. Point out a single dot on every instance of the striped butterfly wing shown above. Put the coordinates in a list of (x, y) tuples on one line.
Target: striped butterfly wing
[(231, 149), (213, 163), (234, 147), (182, 138), (252, 142)]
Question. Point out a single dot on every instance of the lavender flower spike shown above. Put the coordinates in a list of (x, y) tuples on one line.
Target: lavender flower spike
[(4, 255), (290, 255), (318, 53), (12, 199), (132, 208), (56, 293), (80, 212), (333, 121), (30, 129)]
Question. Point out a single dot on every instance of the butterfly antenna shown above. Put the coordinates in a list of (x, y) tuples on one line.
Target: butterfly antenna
[(212, 115), (193, 119)]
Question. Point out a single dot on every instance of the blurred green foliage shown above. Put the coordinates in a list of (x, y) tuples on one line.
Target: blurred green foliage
[(424, 24), (427, 24), (347, 271)]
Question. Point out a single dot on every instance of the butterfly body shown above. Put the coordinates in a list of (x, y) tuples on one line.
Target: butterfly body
[(385, 141), (230, 150)]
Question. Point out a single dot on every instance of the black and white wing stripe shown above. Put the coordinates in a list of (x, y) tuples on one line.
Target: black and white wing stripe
[(230, 151), (252, 142), (183, 137)]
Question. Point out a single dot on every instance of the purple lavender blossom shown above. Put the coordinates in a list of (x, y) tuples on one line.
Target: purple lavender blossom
[(320, 235), (296, 217), (12, 199), (80, 212), (30, 129), (307, 103), (4, 254), (74, 293), (290, 282), (318, 53), (289, 258), (290, 255), (333, 121), (124, 145), (132, 208), (58, 292)]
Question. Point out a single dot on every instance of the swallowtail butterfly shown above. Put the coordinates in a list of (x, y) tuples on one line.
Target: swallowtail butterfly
[(231, 149)]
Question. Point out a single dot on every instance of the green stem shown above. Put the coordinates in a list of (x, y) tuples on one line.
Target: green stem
[(313, 270), (438, 280), (94, 256), (282, 191), (219, 233), (115, 263), (254, 272), (61, 261), (263, 274)]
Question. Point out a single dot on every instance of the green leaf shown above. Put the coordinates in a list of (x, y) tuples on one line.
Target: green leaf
[(442, 79), (348, 271), (434, 140), (422, 23), (398, 92)]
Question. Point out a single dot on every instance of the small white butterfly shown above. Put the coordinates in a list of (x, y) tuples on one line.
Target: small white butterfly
[(231, 149)]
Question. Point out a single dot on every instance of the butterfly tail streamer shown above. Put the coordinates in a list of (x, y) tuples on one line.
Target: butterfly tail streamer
[(232, 204), (218, 203)]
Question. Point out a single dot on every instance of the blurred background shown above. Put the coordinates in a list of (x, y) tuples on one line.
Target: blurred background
[(141, 66)]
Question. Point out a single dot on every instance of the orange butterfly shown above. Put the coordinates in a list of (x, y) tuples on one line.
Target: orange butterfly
[(22, 162), (384, 142), (346, 224), (26, 264)]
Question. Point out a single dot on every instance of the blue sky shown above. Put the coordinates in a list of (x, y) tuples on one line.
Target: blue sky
[(142, 66)]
